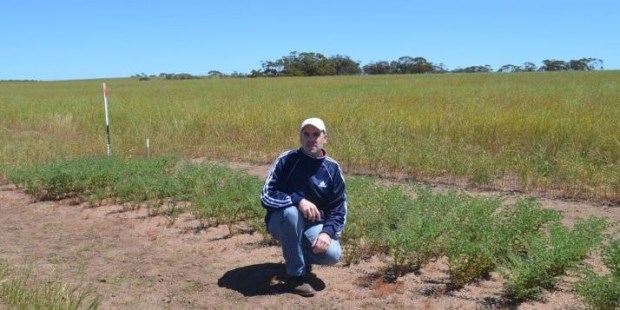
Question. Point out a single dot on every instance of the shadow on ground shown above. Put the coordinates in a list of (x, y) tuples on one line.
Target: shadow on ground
[(261, 279)]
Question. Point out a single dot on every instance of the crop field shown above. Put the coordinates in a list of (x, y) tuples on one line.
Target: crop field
[(556, 133)]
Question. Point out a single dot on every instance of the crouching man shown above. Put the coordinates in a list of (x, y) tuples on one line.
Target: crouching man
[(304, 195)]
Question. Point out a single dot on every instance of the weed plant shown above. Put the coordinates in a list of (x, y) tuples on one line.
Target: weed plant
[(19, 289)]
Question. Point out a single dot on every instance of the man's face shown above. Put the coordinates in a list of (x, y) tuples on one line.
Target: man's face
[(312, 140)]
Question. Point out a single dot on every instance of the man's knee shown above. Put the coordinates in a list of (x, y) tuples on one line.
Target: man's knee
[(332, 256), (290, 214)]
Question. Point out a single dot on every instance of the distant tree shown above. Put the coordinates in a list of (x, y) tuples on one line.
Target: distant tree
[(141, 77), (508, 68), (380, 67), (474, 69), (344, 65), (290, 65), (440, 68), (184, 76), (256, 73), (236, 74), (394, 67), (303, 64), (177, 76), (553, 65), (595, 63), (527, 67), (309, 64), (215, 73), (411, 65), (585, 64), (404, 65), (272, 68)]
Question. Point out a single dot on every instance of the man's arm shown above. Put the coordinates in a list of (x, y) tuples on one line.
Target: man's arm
[(336, 211), (272, 195)]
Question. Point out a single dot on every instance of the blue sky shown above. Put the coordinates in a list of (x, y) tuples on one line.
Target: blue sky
[(83, 39)]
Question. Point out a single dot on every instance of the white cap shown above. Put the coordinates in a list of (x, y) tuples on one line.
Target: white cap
[(316, 122)]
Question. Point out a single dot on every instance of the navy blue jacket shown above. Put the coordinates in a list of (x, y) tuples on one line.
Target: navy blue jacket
[(295, 175)]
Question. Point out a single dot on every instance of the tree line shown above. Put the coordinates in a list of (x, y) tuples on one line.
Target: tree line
[(317, 64)]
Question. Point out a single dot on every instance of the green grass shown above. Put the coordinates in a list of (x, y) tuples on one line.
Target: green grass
[(546, 131), (20, 289)]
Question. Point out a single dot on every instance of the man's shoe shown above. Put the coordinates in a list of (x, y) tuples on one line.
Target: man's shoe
[(308, 269), (299, 285)]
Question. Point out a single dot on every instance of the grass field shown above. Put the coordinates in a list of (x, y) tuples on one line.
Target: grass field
[(556, 132)]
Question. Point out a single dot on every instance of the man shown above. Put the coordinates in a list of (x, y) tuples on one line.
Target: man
[(304, 194)]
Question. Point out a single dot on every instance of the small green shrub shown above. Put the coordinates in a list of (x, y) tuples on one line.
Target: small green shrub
[(599, 292), (526, 276), (548, 256), (469, 261), (569, 246), (369, 209), (226, 197), (470, 244), (519, 223), (612, 258), (602, 291)]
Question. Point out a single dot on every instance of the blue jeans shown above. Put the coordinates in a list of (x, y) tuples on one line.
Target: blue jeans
[(296, 235)]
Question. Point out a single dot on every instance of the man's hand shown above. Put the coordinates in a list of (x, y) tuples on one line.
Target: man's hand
[(309, 210), (321, 243)]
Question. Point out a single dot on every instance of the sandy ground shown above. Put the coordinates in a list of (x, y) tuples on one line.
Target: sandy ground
[(133, 260)]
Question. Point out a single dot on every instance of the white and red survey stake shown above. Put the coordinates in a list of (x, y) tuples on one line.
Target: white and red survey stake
[(107, 118)]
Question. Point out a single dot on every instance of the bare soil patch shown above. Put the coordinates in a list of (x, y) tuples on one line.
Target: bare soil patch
[(133, 260)]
